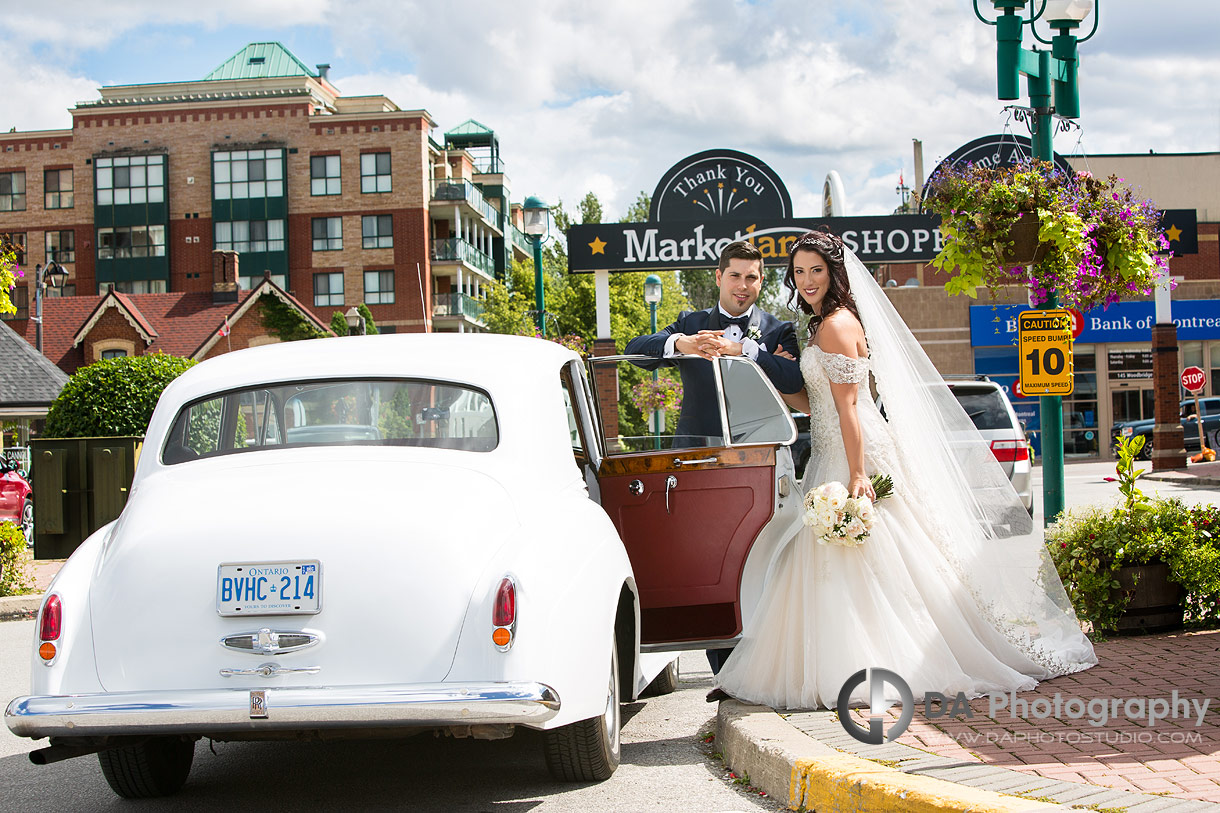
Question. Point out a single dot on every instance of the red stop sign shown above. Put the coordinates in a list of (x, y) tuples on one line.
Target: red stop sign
[(1193, 379)]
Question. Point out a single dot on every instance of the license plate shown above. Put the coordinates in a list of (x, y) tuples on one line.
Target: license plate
[(269, 588)]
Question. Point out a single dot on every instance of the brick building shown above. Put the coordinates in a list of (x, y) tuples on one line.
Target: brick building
[(338, 200)]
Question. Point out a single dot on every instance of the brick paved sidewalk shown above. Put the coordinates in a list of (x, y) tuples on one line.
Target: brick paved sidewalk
[(1175, 758)]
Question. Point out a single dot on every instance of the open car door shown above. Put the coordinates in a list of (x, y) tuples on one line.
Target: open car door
[(692, 510)]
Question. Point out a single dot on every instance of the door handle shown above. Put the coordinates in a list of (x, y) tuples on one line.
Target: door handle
[(680, 462), (670, 482)]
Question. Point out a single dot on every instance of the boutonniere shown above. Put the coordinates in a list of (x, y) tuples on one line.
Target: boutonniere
[(754, 333)]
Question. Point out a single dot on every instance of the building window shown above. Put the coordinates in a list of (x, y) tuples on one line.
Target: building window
[(130, 241), (241, 174), (68, 289), (248, 282), (375, 172), (379, 287), (17, 241), (61, 246), (250, 235), (377, 231), (328, 289), (114, 354), (57, 187), (324, 175), (12, 191), (327, 233), (138, 286), (19, 295), (130, 179)]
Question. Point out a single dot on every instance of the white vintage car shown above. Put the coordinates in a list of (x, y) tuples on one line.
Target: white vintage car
[(411, 532)]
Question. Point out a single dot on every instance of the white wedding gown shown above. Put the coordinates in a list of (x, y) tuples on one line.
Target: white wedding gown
[(902, 601)]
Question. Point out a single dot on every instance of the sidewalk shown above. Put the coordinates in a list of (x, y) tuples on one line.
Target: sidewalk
[(17, 607), (1008, 761), (1201, 475)]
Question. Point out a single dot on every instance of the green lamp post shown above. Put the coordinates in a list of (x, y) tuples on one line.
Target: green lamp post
[(652, 295), (538, 225), (1052, 77)]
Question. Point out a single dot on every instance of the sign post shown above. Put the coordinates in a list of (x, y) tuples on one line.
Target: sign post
[(1193, 381)]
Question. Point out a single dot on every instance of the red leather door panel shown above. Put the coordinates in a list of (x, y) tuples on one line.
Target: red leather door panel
[(688, 558)]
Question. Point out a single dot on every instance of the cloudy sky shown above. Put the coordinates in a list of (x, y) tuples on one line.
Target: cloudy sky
[(605, 96)]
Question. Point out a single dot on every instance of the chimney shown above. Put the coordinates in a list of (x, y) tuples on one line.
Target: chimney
[(224, 276), (324, 71)]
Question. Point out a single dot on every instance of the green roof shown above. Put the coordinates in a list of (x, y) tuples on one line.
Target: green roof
[(470, 127), (260, 60)]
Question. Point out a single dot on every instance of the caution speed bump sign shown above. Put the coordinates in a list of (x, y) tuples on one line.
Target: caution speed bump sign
[(1044, 348)]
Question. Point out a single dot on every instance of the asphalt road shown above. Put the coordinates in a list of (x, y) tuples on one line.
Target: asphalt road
[(665, 766)]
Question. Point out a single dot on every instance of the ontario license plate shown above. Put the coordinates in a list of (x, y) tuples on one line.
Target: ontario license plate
[(269, 588)]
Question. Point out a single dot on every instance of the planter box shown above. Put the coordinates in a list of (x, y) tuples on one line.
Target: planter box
[(1156, 602), (1025, 248)]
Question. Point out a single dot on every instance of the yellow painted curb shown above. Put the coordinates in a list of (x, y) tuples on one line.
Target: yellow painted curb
[(852, 783)]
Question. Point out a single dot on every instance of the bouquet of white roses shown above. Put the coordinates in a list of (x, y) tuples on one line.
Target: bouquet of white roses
[(837, 518)]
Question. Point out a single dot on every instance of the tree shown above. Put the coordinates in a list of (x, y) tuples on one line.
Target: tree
[(338, 322), (9, 273), (113, 397), (285, 322)]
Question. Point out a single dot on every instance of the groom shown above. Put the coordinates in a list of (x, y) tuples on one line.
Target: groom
[(735, 326)]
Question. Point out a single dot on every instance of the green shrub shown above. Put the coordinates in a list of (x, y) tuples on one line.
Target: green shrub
[(15, 576), (113, 397)]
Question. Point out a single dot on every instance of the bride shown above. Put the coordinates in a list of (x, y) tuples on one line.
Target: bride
[(953, 589)]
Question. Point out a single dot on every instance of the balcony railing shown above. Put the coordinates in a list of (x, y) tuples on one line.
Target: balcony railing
[(465, 190), (457, 304), (521, 240), (452, 249)]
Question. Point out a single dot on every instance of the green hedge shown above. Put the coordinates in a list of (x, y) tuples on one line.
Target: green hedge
[(113, 397)]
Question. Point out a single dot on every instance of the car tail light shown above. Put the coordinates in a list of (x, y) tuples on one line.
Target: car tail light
[(50, 624), (504, 613), (1008, 451)]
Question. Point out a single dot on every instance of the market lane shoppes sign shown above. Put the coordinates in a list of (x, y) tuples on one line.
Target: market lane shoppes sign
[(697, 244), (708, 200)]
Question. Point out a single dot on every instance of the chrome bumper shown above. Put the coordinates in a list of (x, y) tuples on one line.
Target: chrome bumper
[(211, 711)]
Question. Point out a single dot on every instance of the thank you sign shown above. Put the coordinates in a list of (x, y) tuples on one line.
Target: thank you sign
[(720, 184)]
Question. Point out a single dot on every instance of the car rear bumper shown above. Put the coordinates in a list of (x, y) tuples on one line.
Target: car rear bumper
[(213, 711)]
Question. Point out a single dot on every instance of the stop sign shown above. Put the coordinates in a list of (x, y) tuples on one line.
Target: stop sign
[(1193, 379)]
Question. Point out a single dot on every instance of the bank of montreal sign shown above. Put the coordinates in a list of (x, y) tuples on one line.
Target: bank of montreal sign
[(1196, 319)]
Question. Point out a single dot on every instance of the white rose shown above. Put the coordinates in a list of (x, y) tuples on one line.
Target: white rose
[(855, 528), (836, 495)]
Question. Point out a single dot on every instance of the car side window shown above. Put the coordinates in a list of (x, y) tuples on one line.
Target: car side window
[(569, 408), (755, 414)]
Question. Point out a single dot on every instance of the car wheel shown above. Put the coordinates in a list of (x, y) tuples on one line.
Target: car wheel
[(27, 522), (157, 766), (664, 683), (588, 750), (1146, 452)]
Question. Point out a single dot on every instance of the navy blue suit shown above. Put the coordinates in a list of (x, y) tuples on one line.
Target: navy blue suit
[(700, 413)]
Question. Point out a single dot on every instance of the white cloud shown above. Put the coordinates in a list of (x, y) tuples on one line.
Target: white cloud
[(607, 96)]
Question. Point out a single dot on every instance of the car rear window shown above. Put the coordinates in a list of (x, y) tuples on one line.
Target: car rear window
[(984, 405), (349, 412)]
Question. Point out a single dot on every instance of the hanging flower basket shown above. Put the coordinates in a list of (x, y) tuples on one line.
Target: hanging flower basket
[(1024, 247), (1091, 242)]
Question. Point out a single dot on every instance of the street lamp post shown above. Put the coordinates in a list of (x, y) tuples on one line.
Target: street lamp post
[(538, 226), (355, 322), (1052, 77), (652, 295), (52, 274)]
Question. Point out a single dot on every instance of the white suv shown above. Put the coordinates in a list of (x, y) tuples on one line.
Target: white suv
[(993, 415)]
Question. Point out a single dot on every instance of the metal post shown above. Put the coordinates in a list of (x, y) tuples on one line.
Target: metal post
[(656, 413), (539, 296), (38, 307)]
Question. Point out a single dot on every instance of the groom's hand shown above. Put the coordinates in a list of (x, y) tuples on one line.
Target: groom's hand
[(716, 341), (701, 344)]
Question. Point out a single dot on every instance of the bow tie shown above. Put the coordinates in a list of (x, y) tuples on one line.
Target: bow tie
[(740, 321)]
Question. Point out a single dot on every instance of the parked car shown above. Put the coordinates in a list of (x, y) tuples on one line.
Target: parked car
[(16, 498), (1210, 408), (488, 562), (992, 413)]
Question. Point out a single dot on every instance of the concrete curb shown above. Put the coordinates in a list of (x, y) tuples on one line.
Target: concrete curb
[(1185, 480), (811, 775), (17, 608)]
